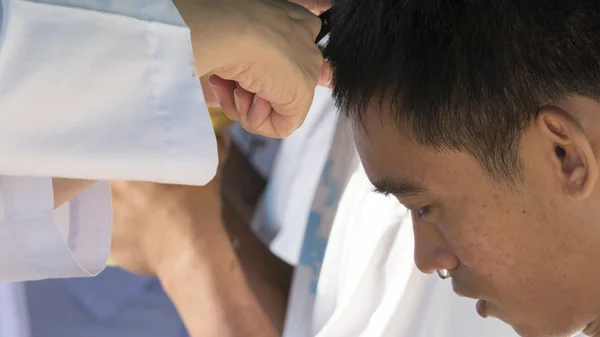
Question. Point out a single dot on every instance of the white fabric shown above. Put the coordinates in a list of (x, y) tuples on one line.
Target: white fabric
[(338, 170), (97, 90), (33, 245), (91, 94), (282, 213)]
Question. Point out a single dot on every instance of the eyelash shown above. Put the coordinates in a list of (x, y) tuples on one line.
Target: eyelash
[(421, 212), (382, 192)]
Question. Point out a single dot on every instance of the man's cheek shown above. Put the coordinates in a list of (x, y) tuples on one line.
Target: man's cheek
[(485, 252)]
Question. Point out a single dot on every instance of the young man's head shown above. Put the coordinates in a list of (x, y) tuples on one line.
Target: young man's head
[(483, 118)]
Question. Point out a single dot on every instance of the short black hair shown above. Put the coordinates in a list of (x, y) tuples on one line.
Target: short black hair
[(464, 75)]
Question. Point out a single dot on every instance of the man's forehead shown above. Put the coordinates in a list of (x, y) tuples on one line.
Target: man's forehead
[(379, 142), (391, 159)]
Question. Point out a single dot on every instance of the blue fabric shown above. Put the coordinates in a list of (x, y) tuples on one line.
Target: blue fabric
[(113, 304)]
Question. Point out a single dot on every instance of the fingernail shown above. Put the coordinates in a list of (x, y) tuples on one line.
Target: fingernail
[(216, 93), (254, 101), (211, 81), (236, 100)]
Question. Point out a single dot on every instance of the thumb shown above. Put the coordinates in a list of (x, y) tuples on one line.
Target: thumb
[(326, 75)]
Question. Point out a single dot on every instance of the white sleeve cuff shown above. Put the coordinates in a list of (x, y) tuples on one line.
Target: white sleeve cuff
[(93, 94), (32, 244)]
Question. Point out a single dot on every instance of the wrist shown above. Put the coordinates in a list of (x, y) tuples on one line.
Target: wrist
[(210, 23)]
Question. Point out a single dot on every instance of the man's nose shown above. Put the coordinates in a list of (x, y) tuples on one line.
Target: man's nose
[(431, 250)]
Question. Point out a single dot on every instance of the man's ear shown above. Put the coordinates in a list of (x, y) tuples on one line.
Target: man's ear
[(573, 156)]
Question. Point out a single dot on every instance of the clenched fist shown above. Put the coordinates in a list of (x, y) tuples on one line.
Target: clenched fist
[(262, 58)]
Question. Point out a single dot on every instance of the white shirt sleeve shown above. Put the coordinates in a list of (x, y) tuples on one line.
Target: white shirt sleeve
[(101, 90), (92, 94), (37, 242)]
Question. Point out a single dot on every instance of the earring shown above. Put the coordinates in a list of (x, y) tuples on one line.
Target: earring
[(443, 273)]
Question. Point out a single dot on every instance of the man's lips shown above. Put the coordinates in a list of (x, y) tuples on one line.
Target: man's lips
[(460, 291)]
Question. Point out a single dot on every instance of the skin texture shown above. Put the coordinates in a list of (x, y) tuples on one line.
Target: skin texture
[(531, 250)]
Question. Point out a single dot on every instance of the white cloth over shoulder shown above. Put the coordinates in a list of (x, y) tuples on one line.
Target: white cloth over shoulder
[(282, 214), (93, 89)]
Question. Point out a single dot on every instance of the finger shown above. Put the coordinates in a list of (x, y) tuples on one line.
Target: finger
[(223, 90), (326, 75), (259, 113), (243, 101), (263, 119), (209, 96)]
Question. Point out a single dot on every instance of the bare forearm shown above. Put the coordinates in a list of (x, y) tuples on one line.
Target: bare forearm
[(211, 294), (67, 189)]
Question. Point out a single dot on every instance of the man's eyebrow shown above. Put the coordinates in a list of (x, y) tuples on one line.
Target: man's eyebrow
[(398, 187)]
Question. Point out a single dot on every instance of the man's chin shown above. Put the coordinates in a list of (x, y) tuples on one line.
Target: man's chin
[(525, 326), (524, 331)]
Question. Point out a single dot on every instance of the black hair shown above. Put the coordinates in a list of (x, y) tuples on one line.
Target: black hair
[(464, 75)]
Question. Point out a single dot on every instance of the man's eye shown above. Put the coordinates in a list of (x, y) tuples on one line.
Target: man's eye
[(423, 211), (381, 191)]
